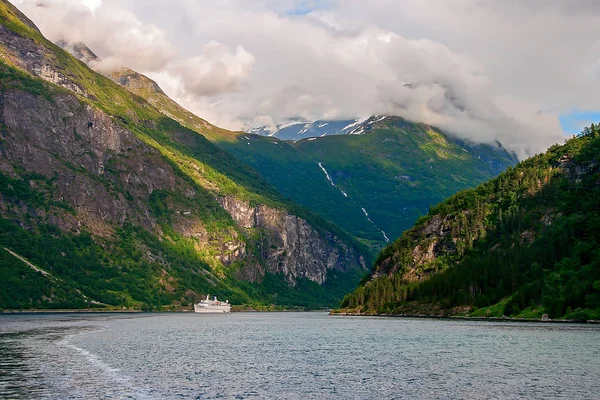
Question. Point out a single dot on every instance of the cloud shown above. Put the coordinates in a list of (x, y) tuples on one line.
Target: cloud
[(215, 70), (298, 102), (434, 85), (113, 33), (482, 70)]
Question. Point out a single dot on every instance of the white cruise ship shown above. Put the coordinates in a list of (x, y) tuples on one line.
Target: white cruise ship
[(213, 306)]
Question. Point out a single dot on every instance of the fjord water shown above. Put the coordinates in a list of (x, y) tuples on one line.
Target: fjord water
[(292, 356)]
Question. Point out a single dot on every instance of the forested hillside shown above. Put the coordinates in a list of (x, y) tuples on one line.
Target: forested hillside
[(524, 244)]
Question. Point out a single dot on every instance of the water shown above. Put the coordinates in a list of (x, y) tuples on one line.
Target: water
[(292, 356)]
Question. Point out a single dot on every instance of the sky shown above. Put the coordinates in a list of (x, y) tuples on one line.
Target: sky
[(524, 73)]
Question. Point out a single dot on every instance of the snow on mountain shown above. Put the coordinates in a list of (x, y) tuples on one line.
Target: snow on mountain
[(296, 129)]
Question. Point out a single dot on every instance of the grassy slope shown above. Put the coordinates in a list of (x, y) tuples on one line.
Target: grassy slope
[(282, 165), (523, 244)]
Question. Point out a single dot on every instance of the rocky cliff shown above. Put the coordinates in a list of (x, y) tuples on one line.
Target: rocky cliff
[(82, 154), (296, 248)]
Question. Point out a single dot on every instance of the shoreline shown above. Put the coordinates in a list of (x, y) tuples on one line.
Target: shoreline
[(465, 318), (332, 314), (103, 311)]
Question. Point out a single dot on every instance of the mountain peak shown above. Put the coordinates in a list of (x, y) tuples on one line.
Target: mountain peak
[(79, 50)]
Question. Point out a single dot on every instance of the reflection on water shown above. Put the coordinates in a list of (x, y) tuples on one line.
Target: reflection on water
[(292, 356)]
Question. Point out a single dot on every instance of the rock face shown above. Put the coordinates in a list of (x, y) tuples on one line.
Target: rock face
[(101, 169), (96, 170), (28, 54), (81, 145), (290, 245), (335, 171)]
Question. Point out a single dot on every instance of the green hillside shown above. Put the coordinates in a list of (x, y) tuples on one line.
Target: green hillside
[(523, 244)]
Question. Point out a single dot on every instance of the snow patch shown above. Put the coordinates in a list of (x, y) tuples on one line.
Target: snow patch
[(378, 118), (304, 130), (311, 139), (287, 124), (322, 125), (354, 124)]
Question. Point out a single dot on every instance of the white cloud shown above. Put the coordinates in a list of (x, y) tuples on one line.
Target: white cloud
[(215, 70), (482, 70), (113, 33)]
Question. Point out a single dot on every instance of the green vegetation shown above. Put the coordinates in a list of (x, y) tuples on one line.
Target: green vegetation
[(524, 244), (194, 147), (137, 271), (395, 172), (13, 79)]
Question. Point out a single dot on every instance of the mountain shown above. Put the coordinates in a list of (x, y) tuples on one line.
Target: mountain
[(106, 201), (297, 129), (524, 244), (373, 185)]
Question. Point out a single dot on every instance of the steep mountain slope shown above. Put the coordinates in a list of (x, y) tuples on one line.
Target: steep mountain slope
[(104, 199), (374, 186), (524, 244)]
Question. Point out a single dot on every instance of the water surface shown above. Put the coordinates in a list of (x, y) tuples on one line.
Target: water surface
[(292, 356)]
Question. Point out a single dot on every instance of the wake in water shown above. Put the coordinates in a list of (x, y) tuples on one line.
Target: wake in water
[(44, 363)]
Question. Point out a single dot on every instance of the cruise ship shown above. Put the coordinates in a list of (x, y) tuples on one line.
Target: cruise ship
[(213, 306)]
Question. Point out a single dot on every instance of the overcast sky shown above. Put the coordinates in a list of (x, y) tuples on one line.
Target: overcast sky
[(506, 70)]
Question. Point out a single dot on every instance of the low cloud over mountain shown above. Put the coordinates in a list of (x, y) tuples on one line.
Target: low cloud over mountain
[(483, 71)]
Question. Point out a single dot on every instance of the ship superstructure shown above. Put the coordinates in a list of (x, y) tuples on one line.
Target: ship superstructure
[(213, 306)]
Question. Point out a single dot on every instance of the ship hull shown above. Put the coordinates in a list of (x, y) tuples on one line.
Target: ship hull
[(211, 310)]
